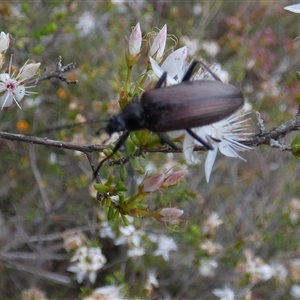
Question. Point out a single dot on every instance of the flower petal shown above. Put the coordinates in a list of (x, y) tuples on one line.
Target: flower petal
[(175, 62), (188, 150), (225, 149), (209, 162), (159, 71), (293, 8), (6, 100), (19, 92)]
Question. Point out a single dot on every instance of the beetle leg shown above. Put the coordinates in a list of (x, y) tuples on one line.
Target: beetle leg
[(200, 140), (165, 139), (161, 80), (187, 76), (215, 139), (119, 143)]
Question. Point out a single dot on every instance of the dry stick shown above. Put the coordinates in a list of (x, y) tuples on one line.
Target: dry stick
[(264, 138), (52, 143), (58, 73)]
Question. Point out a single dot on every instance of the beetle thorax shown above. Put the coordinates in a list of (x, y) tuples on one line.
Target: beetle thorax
[(131, 118), (134, 116)]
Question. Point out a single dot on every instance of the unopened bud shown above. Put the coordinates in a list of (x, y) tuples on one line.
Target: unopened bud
[(152, 184), (168, 214), (158, 45), (4, 41), (28, 71), (134, 46), (173, 178)]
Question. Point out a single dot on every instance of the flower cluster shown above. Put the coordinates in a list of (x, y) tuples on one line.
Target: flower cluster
[(227, 135), (109, 292), (87, 260), (257, 270), (14, 85), (133, 239)]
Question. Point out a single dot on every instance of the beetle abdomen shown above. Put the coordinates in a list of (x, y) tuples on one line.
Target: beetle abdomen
[(190, 104)]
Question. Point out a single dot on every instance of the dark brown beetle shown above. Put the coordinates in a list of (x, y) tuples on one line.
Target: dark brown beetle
[(182, 106)]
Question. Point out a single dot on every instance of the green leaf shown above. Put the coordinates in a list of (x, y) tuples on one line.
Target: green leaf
[(101, 188), (123, 172), (298, 75), (130, 147), (110, 180), (296, 147), (120, 187)]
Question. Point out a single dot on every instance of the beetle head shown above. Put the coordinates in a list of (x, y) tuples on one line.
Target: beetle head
[(115, 124)]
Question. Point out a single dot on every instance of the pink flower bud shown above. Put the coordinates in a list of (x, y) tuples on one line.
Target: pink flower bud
[(4, 41), (173, 178), (152, 184), (135, 41), (169, 214), (28, 71), (159, 43)]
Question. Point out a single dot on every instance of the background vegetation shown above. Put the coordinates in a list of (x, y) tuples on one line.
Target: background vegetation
[(45, 191)]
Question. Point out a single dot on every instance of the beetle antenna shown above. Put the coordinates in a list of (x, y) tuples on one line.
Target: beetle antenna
[(215, 76), (98, 131), (68, 126), (119, 144)]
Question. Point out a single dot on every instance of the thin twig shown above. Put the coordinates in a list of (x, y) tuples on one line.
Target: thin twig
[(58, 73), (52, 143), (270, 138)]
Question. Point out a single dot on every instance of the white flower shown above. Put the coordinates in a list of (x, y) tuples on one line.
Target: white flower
[(175, 66), (13, 88), (213, 221), (280, 272), (109, 292), (86, 23), (73, 240), (295, 291), (129, 235), (10, 90), (293, 8), (210, 247), (106, 231), (4, 41), (80, 254), (165, 245), (136, 252), (265, 272), (211, 48), (225, 293), (192, 44), (152, 280), (89, 261), (225, 136), (207, 267)]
